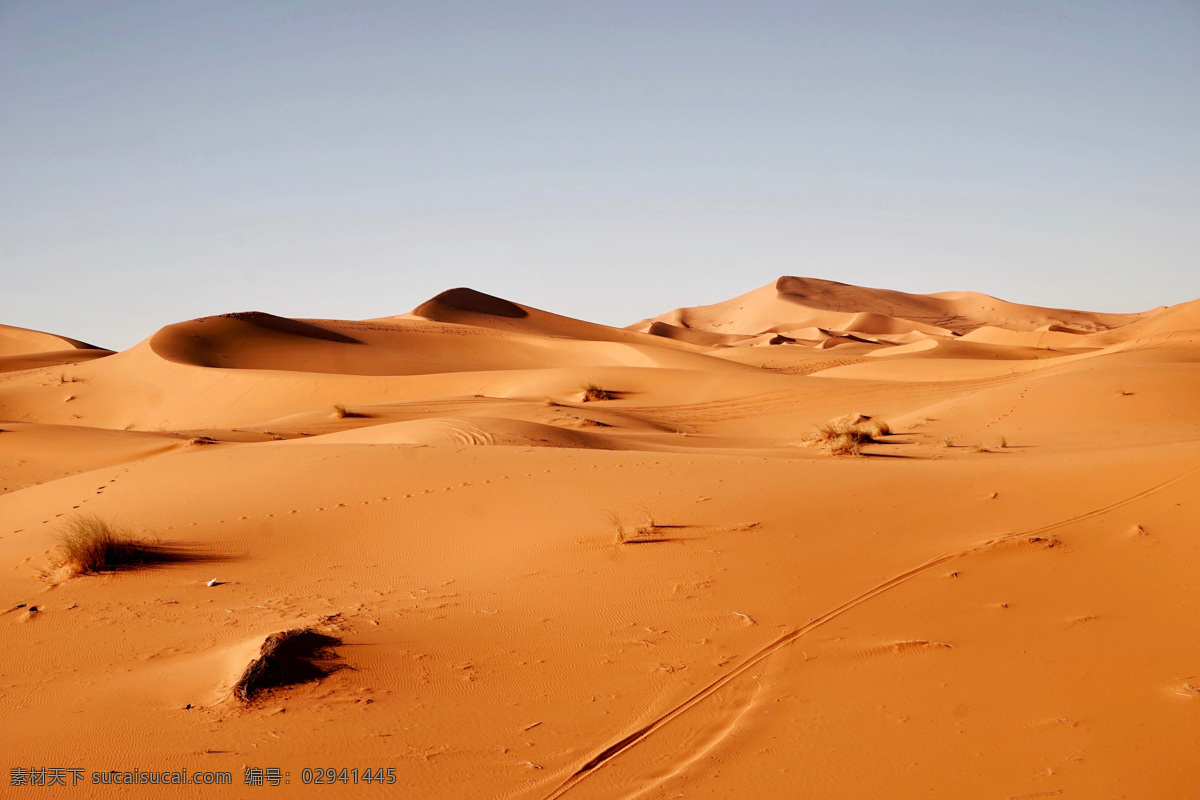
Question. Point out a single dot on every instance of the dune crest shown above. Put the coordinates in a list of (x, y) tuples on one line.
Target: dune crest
[(793, 303)]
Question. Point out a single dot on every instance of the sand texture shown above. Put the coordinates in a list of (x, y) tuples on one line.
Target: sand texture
[(510, 554)]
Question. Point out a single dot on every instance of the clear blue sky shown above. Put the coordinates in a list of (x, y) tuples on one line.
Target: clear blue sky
[(608, 160)]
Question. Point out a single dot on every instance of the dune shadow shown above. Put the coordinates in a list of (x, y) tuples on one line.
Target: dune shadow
[(657, 533), (471, 301), (292, 327)]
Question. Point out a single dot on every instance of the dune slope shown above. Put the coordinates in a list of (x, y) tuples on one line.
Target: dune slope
[(21, 349), (792, 303)]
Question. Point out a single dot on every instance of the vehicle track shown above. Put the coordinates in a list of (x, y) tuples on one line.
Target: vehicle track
[(627, 742)]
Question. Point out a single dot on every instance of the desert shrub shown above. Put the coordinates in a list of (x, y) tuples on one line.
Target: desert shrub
[(847, 443), (646, 531), (90, 544), (878, 427), (592, 392), (341, 412), (845, 436)]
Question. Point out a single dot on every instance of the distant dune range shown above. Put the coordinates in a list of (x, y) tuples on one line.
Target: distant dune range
[(817, 540)]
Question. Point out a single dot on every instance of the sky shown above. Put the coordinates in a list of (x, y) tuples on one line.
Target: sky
[(161, 161)]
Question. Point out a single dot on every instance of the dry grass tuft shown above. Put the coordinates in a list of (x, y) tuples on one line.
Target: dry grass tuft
[(1002, 442), (845, 443), (878, 427), (592, 392), (1044, 541), (340, 411), (947, 442), (845, 436), (647, 531), (619, 530), (289, 657), (979, 449), (90, 544)]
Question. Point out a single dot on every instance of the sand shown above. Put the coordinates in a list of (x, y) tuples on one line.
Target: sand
[(995, 600)]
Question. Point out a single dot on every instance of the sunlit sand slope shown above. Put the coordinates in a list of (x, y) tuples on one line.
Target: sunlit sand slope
[(544, 558)]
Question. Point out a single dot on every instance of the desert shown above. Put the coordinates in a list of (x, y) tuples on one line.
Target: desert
[(817, 540)]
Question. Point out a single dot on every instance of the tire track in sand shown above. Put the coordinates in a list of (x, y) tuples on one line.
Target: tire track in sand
[(626, 743)]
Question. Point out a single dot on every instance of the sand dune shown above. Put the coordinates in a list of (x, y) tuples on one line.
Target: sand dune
[(469, 307), (1180, 319), (383, 347), (792, 303), (22, 349), (246, 369), (513, 554), (22, 341)]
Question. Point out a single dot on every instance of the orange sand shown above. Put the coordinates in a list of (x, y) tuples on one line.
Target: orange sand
[(924, 621)]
